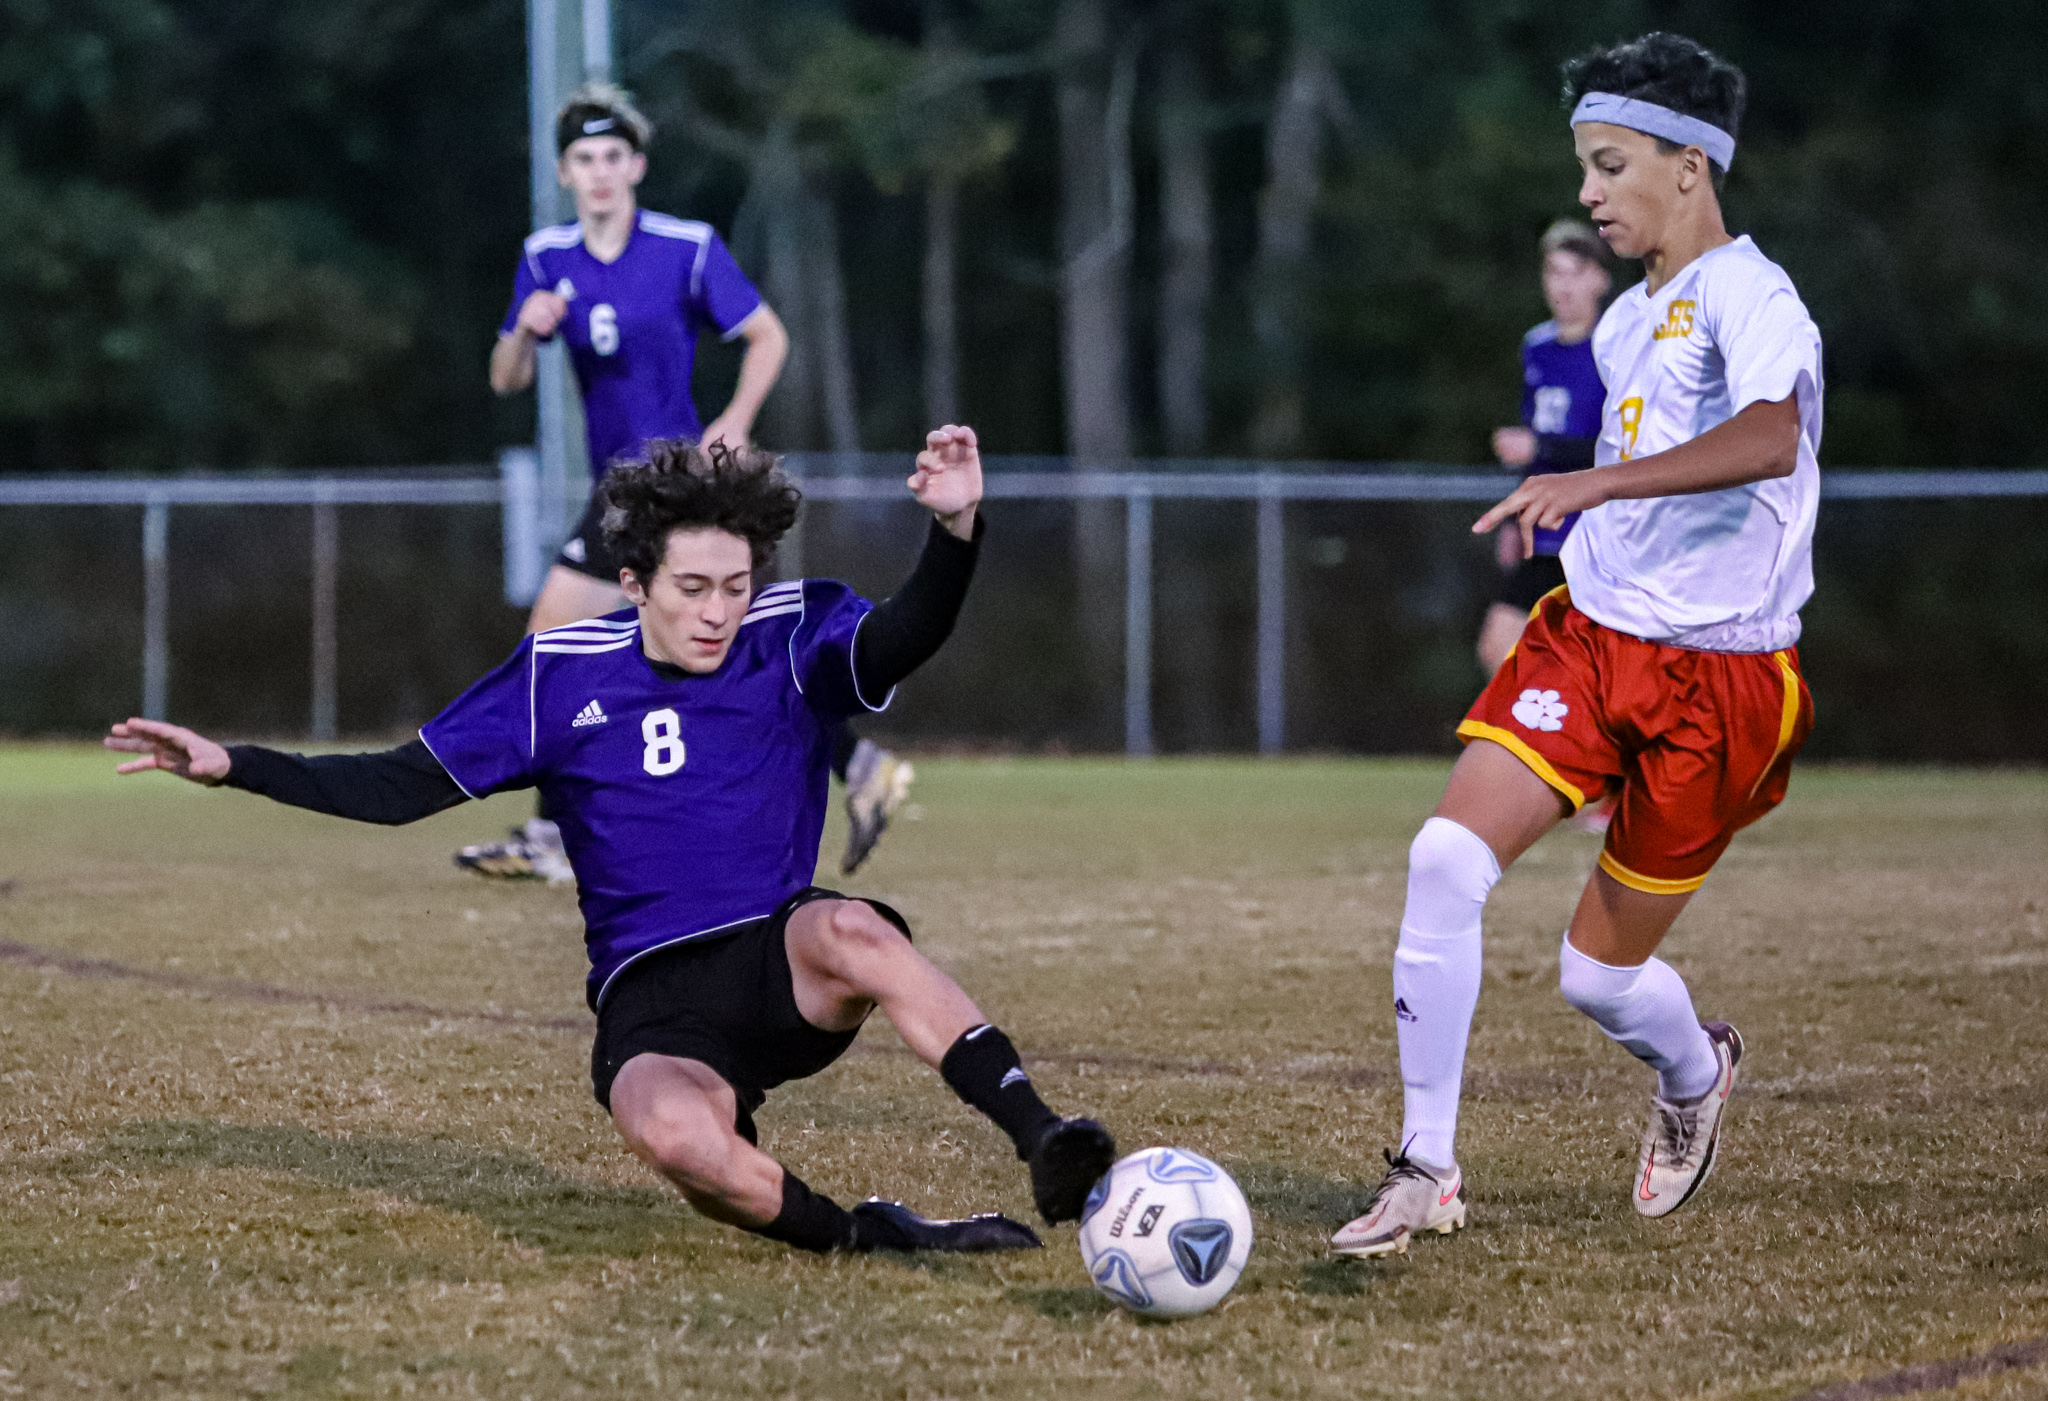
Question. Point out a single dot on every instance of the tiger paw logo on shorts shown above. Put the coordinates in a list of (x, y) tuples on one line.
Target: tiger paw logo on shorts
[(1541, 710)]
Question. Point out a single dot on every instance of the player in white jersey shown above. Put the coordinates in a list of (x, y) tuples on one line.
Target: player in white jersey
[(1663, 671)]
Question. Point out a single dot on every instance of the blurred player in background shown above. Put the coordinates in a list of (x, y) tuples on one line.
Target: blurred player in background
[(1665, 669), (685, 741), (1561, 397), (625, 288)]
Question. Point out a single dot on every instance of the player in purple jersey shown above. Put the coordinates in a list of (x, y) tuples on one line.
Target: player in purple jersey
[(685, 742), (626, 289), (1561, 403)]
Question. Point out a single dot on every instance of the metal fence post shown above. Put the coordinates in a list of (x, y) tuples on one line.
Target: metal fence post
[(1272, 662), (597, 40), (156, 608), (326, 566), (524, 550), (1138, 625)]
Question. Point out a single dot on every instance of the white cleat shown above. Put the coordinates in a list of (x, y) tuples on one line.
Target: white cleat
[(877, 782), (1413, 1197), (532, 851), (1678, 1146)]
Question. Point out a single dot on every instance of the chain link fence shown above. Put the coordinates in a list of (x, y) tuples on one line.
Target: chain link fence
[(1251, 607)]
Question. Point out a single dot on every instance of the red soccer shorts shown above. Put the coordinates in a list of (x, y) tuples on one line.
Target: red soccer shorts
[(1700, 743)]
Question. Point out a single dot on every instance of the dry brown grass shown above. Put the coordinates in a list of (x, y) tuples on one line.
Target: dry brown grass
[(208, 1195)]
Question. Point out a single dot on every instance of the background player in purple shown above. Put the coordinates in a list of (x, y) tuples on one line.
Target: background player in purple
[(685, 742), (627, 289), (1561, 403)]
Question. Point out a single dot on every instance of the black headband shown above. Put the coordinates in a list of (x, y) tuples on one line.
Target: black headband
[(579, 122)]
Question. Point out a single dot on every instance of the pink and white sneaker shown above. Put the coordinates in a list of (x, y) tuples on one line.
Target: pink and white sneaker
[(1413, 1197), (1678, 1146)]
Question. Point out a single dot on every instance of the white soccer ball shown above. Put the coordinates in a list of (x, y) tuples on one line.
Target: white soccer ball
[(1166, 1233)]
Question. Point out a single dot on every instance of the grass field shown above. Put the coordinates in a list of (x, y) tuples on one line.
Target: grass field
[(339, 1140)]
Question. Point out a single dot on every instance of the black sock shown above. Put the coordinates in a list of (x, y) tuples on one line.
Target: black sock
[(807, 1220), (983, 1069), (844, 742)]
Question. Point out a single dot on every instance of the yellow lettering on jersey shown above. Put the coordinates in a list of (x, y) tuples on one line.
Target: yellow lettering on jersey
[(1677, 321), (1631, 421)]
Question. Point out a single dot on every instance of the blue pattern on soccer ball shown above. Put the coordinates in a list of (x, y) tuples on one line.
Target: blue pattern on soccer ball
[(1200, 1249), (1116, 1274), (1097, 1195), (1172, 1165)]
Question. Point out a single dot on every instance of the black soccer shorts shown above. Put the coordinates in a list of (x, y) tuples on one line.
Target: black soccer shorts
[(727, 1001), (584, 551), (1524, 586)]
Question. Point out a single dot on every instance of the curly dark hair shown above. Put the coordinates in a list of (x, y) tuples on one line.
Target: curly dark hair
[(677, 485), (1671, 71)]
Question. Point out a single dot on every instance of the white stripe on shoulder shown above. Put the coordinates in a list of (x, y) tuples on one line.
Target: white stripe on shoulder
[(554, 236), (581, 647), (552, 639), (794, 606), (787, 588), (599, 625), (668, 226)]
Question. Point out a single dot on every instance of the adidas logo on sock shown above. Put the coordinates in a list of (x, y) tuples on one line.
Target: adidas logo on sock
[(1401, 1012), (1013, 1076), (592, 714)]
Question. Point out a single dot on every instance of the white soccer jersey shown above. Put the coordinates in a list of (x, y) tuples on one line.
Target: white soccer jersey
[(1721, 571)]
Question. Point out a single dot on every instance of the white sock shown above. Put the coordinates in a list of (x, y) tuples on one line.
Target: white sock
[(1647, 1010), (1436, 980)]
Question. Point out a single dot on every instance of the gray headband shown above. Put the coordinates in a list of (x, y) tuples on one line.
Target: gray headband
[(1648, 117)]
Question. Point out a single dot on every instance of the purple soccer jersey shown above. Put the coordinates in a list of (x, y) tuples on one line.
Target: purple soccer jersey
[(632, 323), (688, 804), (1562, 397)]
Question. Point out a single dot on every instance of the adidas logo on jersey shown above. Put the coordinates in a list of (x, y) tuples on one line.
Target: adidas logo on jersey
[(592, 714)]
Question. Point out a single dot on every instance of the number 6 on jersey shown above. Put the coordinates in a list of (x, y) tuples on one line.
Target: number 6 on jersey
[(664, 735)]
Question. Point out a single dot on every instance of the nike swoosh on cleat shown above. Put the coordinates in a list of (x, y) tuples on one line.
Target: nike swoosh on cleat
[(1448, 1197), (1643, 1192)]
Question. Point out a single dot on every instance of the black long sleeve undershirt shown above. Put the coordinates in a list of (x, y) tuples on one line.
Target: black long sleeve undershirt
[(396, 786), (392, 786), (909, 626)]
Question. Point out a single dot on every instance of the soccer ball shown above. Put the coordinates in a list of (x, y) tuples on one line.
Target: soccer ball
[(1166, 1233)]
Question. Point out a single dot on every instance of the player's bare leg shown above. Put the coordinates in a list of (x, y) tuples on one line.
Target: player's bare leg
[(678, 1116), (569, 597), (845, 959), (533, 849), (1498, 633)]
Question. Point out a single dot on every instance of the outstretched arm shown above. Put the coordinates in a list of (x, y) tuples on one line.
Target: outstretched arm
[(1757, 444), (906, 628), (392, 787)]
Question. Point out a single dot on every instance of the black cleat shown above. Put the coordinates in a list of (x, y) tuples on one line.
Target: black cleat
[(1066, 1165), (886, 1225)]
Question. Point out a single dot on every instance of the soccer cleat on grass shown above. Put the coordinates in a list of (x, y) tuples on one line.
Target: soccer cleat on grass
[(1412, 1198), (887, 1225), (1678, 1147), (1066, 1165), (877, 782), (532, 851)]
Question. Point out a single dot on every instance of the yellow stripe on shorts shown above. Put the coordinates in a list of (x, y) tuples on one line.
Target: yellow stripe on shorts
[(1649, 885), (1538, 765)]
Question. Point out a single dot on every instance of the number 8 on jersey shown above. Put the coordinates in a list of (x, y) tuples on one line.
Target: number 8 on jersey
[(664, 735)]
